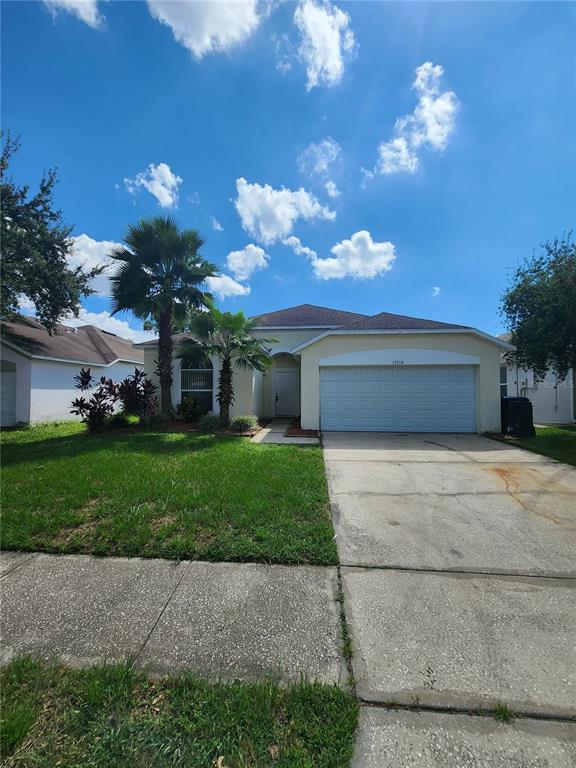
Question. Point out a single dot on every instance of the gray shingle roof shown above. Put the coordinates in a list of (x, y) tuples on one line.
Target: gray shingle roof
[(306, 315), (87, 343), (324, 317), (388, 322)]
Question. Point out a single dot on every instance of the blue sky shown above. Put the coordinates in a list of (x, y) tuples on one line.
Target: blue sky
[(399, 157)]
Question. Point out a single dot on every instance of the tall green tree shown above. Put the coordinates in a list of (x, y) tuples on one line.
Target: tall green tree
[(159, 278), (539, 307), (35, 245), (229, 337)]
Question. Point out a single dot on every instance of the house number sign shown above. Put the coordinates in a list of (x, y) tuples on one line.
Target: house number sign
[(397, 362)]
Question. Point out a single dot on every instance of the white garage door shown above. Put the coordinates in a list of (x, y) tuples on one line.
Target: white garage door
[(400, 399)]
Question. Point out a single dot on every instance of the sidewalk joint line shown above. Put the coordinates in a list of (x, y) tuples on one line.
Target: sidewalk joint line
[(463, 710), (22, 562), (457, 571), (185, 564)]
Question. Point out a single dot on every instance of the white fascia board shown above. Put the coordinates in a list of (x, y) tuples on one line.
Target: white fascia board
[(396, 332), (85, 362), (144, 344)]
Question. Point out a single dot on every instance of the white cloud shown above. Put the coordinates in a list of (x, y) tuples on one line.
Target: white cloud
[(299, 249), (106, 322), (243, 263), (326, 40), (317, 158), (269, 214), (224, 286), (395, 156), (432, 121), (160, 181), (206, 27), (216, 224), (436, 290), (90, 253), (430, 125), (359, 257), (85, 10), (331, 189)]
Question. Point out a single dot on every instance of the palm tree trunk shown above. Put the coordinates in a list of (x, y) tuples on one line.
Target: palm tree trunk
[(164, 362), (225, 391)]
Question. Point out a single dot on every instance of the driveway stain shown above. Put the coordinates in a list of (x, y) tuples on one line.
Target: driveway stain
[(511, 476)]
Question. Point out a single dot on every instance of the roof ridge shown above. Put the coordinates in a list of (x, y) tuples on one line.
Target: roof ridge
[(368, 321), (102, 346)]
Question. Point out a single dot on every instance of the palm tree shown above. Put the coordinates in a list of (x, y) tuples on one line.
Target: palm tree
[(159, 277), (228, 336)]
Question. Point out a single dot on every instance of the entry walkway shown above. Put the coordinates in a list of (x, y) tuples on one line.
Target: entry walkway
[(275, 432)]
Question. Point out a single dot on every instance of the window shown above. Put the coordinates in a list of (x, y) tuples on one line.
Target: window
[(196, 380), (503, 381)]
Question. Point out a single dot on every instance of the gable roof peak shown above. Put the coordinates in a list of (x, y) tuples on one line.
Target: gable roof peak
[(306, 316)]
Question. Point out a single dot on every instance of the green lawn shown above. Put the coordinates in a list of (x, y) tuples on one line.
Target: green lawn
[(556, 442), (175, 495), (113, 717)]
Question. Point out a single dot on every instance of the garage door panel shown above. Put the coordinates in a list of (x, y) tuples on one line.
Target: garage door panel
[(409, 399)]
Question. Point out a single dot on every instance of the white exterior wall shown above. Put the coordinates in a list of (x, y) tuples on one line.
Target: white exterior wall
[(413, 349), (52, 386), (23, 370), (552, 400)]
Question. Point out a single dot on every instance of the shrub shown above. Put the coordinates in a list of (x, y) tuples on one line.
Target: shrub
[(153, 420), (138, 395), (118, 421), (95, 409), (209, 423), (245, 423), (190, 409)]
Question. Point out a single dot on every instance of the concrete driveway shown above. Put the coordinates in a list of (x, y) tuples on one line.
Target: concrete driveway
[(450, 502), (459, 565)]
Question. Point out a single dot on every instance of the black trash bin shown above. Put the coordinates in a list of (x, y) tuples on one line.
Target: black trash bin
[(517, 417)]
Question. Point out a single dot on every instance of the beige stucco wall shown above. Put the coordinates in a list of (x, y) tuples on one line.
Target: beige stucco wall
[(485, 353), (284, 341), (253, 390), (150, 356)]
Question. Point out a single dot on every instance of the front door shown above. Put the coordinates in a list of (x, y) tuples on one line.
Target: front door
[(287, 392)]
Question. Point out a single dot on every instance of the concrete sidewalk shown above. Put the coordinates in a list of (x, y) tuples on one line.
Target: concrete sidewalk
[(220, 620)]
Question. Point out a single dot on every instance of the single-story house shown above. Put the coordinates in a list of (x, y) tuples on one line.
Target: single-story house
[(347, 371), (553, 399), (37, 376)]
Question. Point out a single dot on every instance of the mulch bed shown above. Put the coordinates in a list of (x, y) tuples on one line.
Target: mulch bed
[(295, 430)]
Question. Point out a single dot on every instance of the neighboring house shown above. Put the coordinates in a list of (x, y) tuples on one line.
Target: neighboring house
[(345, 371), (37, 380), (553, 399)]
